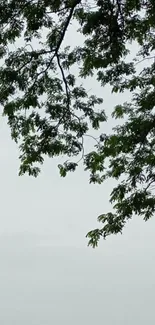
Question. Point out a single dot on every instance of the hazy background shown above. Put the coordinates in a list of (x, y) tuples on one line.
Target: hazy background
[(48, 275)]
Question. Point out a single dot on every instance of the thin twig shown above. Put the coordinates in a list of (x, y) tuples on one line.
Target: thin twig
[(148, 58)]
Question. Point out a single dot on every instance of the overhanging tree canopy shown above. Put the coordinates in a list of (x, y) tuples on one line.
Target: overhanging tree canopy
[(49, 114)]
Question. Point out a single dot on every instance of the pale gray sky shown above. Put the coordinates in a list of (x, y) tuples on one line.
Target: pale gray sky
[(48, 276)]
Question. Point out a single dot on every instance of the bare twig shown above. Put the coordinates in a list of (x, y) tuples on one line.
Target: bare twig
[(148, 58)]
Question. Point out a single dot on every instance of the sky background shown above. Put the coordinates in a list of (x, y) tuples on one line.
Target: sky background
[(48, 275)]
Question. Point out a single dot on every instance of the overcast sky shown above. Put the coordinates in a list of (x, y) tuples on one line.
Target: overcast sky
[(48, 275)]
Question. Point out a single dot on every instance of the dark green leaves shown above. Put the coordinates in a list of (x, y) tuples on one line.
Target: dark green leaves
[(51, 114), (67, 167)]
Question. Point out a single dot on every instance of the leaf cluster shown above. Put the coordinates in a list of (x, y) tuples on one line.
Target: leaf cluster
[(50, 114)]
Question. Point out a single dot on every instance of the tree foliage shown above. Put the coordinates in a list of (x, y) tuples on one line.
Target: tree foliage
[(50, 114)]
